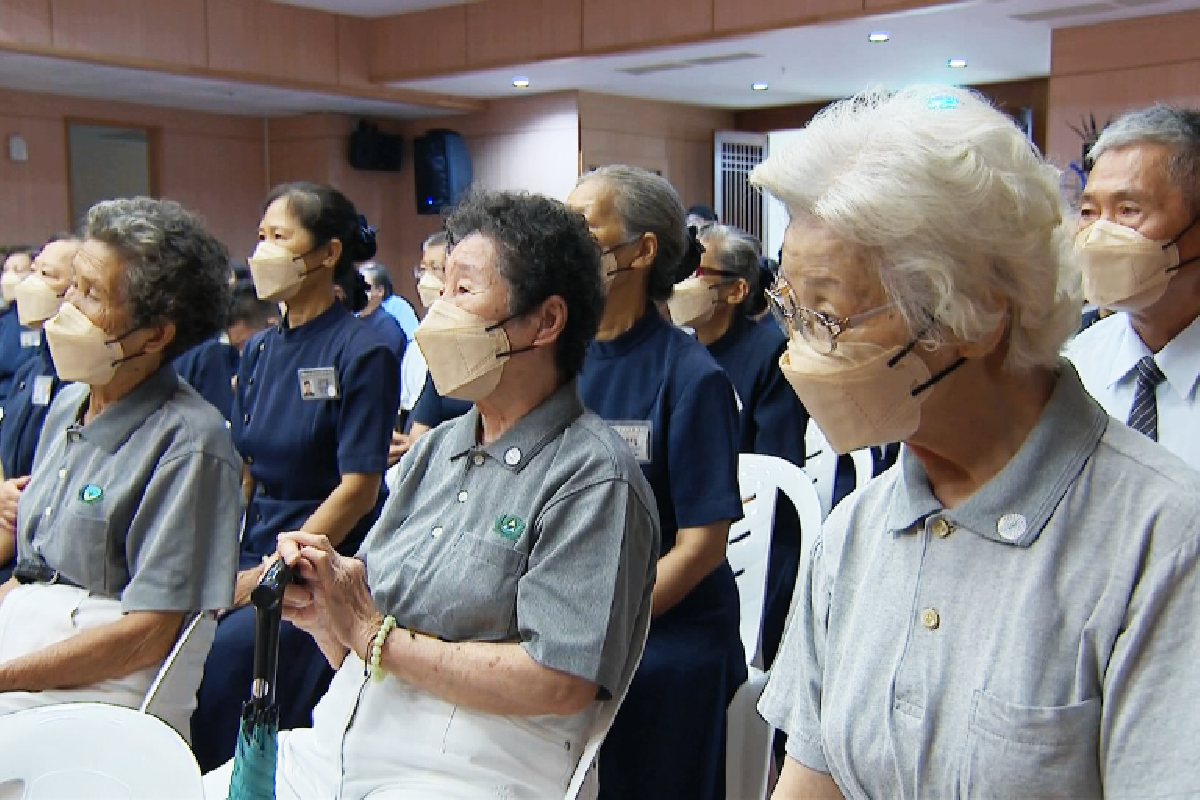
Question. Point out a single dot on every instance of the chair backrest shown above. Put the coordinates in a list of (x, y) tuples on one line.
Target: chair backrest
[(94, 750), (760, 479), (172, 694), (821, 464), (584, 784)]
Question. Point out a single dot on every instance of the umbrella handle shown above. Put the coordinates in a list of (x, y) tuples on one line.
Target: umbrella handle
[(269, 591), (266, 655)]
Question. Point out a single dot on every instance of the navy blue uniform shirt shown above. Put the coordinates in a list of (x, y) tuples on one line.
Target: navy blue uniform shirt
[(388, 328), (17, 345), (313, 403), (432, 409), (34, 388), (209, 368)]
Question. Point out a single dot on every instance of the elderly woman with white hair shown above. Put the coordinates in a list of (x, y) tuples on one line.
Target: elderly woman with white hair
[(1008, 612)]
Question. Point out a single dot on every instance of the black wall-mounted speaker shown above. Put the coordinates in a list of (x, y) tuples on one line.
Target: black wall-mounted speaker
[(443, 170), (372, 149)]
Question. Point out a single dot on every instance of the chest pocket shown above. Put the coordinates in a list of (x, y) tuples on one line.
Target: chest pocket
[(480, 598), (1032, 752), (91, 557)]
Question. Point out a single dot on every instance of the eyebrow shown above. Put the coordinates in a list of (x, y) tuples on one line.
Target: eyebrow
[(1117, 195)]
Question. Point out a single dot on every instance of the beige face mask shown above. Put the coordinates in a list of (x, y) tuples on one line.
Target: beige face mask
[(429, 288), (36, 301), (8, 286), (81, 350), (692, 301), (465, 352), (610, 269), (276, 271), (1122, 269), (861, 394)]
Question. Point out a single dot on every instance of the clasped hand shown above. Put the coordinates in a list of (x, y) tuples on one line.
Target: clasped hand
[(333, 603)]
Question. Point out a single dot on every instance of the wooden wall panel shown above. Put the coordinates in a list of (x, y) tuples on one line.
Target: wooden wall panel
[(511, 31), (619, 24), (354, 59), (143, 29), (35, 193), (735, 15), (419, 44), (1162, 39), (280, 41), (25, 21)]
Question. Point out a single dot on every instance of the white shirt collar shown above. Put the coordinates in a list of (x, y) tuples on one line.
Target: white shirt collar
[(1179, 360)]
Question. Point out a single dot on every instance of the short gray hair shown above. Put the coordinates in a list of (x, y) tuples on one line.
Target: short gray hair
[(955, 207), (738, 252), (175, 270), (648, 203), (434, 240), (1179, 128)]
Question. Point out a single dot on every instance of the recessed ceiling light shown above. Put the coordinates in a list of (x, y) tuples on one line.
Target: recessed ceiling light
[(957, 63), (760, 87), (878, 36), (523, 82)]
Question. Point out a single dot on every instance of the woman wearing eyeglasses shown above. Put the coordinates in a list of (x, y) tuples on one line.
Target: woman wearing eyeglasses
[(721, 302), (1010, 612), (669, 399)]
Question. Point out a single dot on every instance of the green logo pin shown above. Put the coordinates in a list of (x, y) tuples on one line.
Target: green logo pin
[(509, 527), (91, 493)]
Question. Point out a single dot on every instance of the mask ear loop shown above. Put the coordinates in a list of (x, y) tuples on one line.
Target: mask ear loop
[(1175, 241), (502, 323), (937, 376)]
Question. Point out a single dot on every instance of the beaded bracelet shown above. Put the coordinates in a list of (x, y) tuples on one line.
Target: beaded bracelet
[(372, 668)]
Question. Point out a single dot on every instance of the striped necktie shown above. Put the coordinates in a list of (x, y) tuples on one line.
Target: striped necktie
[(1143, 418)]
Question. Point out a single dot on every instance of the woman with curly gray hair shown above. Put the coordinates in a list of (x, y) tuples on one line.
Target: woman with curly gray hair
[(1009, 611), (129, 521)]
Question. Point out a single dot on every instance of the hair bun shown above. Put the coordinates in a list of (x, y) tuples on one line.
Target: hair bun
[(366, 239), (691, 257)]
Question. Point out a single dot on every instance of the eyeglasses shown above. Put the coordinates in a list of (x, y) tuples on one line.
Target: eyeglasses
[(817, 328), (713, 272), (420, 269)]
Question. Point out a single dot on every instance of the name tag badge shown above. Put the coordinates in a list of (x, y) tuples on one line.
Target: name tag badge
[(318, 384), (31, 339), (636, 434), (42, 386)]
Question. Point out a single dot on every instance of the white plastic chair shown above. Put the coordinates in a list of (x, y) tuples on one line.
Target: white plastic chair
[(748, 737), (172, 694), (584, 783), (95, 751)]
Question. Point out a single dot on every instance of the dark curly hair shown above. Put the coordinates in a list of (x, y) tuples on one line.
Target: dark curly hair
[(174, 268), (545, 249), (647, 203), (327, 214)]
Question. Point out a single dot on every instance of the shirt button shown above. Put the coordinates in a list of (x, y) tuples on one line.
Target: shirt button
[(512, 456), (931, 619), (478, 459), (48, 510), (62, 473), (941, 528), (462, 496), (436, 532), (22, 385), (245, 419)]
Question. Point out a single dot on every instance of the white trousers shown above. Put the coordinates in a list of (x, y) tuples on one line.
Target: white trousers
[(35, 616), (390, 741)]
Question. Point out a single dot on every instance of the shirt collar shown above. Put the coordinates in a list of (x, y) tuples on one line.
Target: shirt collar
[(1015, 505), (113, 427), (737, 326), (315, 326), (1180, 360), (622, 344), (525, 439)]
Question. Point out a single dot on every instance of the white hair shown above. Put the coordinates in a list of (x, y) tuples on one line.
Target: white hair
[(962, 216)]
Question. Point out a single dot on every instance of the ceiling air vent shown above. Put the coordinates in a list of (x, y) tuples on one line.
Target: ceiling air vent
[(727, 58), (1068, 11), (650, 69)]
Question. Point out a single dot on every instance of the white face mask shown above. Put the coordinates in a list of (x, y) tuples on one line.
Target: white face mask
[(861, 394), (1122, 269), (465, 352), (36, 301), (692, 301), (8, 286), (276, 271), (429, 288), (81, 350)]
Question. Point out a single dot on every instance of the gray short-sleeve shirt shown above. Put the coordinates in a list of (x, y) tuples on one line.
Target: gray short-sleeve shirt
[(142, 503), (1038, 640), (547, 537)]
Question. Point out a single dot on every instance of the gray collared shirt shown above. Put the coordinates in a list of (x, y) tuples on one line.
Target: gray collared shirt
[(1038, 640), (142, 503), (547, 537)]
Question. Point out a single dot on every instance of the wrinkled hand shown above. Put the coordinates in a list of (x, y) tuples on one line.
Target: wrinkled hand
[(398, 447), (334, 603), (10, 494)]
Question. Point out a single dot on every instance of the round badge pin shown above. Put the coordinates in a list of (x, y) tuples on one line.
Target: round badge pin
[(1011, 527)]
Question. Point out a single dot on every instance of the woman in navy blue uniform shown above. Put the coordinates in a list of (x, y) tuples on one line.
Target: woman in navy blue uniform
[(721, 302), (35, 384), (312, 416), (670, 400), (17, 343)]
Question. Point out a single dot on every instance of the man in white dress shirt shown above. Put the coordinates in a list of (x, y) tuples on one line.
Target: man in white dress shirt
[(1139, 245)]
